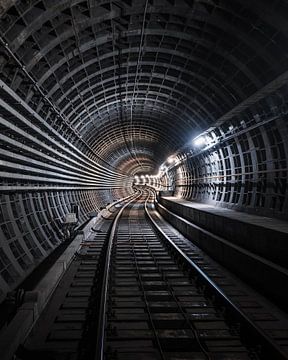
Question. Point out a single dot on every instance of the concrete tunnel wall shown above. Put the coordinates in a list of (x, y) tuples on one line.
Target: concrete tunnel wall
[(217, 68), (243, 167), (43, 176)]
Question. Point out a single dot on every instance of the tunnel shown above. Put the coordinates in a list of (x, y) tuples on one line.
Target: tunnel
[(107, 103)]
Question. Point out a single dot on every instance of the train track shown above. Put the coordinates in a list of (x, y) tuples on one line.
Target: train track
[(132, 292)]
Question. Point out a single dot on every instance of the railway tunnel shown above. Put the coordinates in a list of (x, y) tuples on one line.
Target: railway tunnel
[(143, 194)]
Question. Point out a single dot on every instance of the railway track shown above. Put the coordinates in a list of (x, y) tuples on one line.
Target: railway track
[(133, 292)]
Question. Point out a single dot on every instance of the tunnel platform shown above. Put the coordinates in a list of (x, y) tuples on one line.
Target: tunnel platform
[(254, 247), (266, 236)]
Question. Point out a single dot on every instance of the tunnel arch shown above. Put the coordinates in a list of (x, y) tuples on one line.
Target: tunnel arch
[(72, 71)]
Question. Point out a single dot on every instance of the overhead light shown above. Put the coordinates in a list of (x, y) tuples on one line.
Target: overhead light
[(199, 141), (171, 159), (163, 168)]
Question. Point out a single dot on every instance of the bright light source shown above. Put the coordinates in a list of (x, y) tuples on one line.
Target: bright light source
[(142, 176), (199, 141), (171, 159), (136, 177)]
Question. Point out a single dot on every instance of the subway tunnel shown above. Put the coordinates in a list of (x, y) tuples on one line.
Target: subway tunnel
[(181, 101)]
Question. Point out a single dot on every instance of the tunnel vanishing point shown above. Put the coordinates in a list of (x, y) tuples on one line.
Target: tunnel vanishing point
[(143, 168)]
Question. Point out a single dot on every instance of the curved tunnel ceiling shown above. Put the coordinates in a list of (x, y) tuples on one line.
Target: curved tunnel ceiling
[(138, 79)]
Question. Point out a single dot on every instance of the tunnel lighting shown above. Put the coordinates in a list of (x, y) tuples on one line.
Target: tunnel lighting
[(142, 176), (199, 141), (171, 160)]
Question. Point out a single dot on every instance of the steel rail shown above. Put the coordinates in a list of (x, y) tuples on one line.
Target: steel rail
[(99, 352), (117, 202), (147, 304), (248, 330)]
